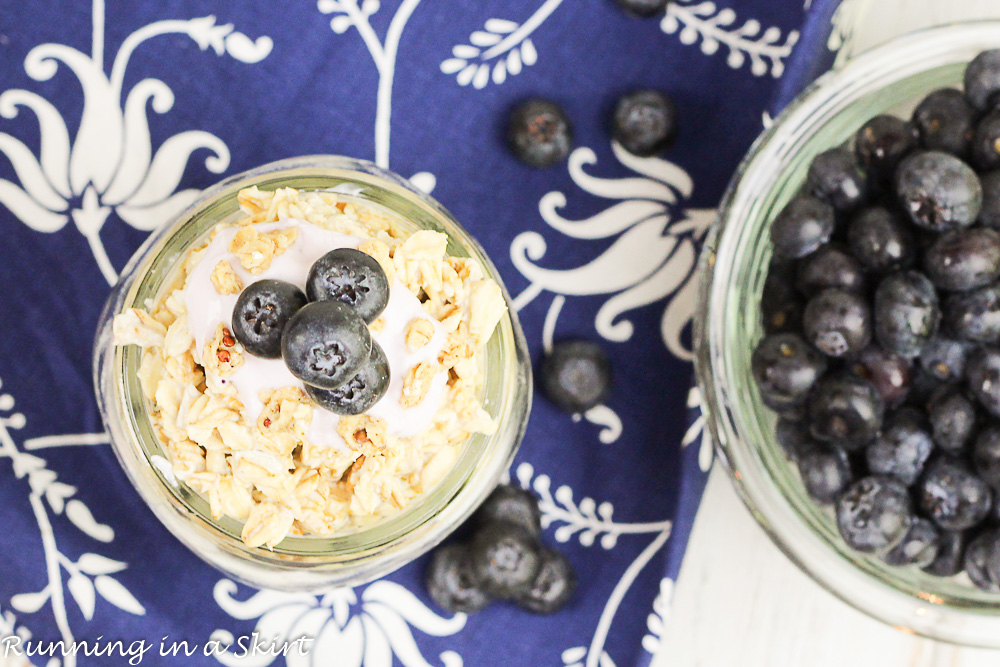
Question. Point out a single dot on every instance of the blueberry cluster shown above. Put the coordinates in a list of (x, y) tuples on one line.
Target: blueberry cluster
[(322, 334), (882, 319), (505, 559)]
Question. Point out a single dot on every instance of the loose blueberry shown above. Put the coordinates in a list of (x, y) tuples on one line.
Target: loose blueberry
[(352, 277), (262, 310), (513, 505), (881, 240), (982, 561), (553, 586), (505, 559), (644, 122), (982, 79), (889, 373), (989, 214), (781, 306), (643, 8), (539, 133), (953, 419), (944, 358), (830, 267), (325, 344), (881, 143), (575, 375), (874, 514), (951, 495), (825, 472), (837, 322), (974, 315), (802, 227), (950, 554), (945, 122), (983, 376), (785, 368), (835, 178), (450, 582), (844, 411), (902, 448), (359, 393), (986, 142), (920, 546), (964, 259), (938, 191), (986, 455), (906, 313)]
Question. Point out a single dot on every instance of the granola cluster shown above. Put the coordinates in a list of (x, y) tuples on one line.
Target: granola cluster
[(264, 470)]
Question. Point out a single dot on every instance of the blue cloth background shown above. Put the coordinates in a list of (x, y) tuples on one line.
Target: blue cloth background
[(308, 84)]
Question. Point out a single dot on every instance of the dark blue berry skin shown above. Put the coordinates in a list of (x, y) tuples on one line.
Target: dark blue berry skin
[(952, 418), (553, 586), (450, 582), (983, 377), (945, 122), (644, 122), (838, 322), (974, 315), (805, 224), (785, 368), (361, 392), (963, 259), (874, 514), (262, 310), (575, 375), (989, 214), (986, 455), (881, 240), (953, 496), (643, 8), (825, 472), (944, 358), (325, 344), (922, 388), (982, 560), (793, 438), (539, 133), (938, 191), (919, 547), (781, 306), (835, 178), (986, 143), (906, 313), (513, 505), (902, 448), (827, 268), (505, 559), (982, 79), (950, 554), (881, 143), (889, 373), (844, 411), (352, 277)]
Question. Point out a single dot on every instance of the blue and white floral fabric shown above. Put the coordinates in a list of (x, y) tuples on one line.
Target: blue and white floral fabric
[(113, 115)]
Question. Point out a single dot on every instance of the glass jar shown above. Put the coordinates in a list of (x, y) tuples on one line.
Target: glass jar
[(889, 79), (307, 563)]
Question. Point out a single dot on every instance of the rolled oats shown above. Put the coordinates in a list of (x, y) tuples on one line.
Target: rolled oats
[(417, 383), (418, 333), (225, 279), (223, 354)]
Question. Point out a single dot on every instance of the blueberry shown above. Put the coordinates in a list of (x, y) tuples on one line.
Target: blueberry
[(360, 392), (450, 582), (644, 122), (835, 178), (982, 561), (922, 388), (837, 322), (951, 495), (938, 191), (919, 547), (882, 142), (881, 240), (974, 315), (793, 438), (986, 142), (643, 8), (902, 448), (844, 411), (982, 79), (986, 455), (944, 358), (781, 306), (889, 373), (350, 276), (950, 554), (825, 472), (964, 259), (945, 122), (906, 313), (874, 514), (539, 132), (785, 368), (827, 268), (952, 417), (325, 344), (553, 586), (802, 227), (576, 375), (505, 559), (262, 310), (989, 215), (983, 376), (513, 505)]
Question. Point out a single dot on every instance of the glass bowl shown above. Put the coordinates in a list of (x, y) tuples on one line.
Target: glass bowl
[(307, 563), (889, 79)]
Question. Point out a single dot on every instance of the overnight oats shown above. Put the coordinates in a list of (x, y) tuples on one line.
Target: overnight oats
[(315, 364)]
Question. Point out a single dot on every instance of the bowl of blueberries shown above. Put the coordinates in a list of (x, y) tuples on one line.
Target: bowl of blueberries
[(848, 332)]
